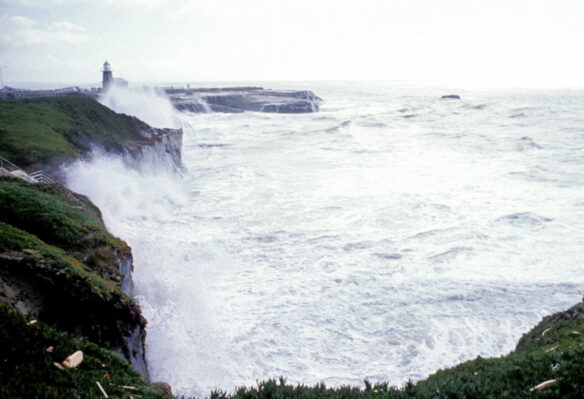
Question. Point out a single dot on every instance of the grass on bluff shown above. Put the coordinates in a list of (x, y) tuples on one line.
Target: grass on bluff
[(62, 219), (40, 131), (27, 370), (45, 262)]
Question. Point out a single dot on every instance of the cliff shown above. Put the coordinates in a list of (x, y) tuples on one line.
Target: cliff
[(240, 99), (46, 132), (32, 356), (58, 263)]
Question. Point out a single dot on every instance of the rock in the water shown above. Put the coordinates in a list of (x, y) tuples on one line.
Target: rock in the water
[(73, 360), (240, 99), (451, 97)]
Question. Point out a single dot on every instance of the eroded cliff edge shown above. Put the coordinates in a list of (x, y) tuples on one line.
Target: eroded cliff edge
[(58, 262), (47, 132)]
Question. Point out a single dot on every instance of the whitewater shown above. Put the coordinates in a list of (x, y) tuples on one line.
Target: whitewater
[(385, 237)]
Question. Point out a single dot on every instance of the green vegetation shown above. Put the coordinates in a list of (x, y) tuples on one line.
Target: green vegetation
[(63, 219), (38, 132), (27, 369), (46, 282), (43, 261), (59, 265), (553, 350)]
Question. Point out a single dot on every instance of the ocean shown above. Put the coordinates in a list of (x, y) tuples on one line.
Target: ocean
[(387, 236)]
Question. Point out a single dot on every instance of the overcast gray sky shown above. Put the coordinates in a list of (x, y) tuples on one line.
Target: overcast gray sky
[(502, 42)]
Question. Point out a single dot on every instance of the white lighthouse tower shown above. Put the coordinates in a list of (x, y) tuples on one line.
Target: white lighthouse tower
[(107, 75)]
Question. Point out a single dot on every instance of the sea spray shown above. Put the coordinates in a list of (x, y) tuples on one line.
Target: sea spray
[(384, 238), (145, 103), (173, 263)]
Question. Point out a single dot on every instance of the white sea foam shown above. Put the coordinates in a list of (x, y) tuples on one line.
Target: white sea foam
[(325, 250), (146, 103)]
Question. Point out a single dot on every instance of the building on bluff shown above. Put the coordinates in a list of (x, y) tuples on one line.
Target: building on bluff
[(108, 77)]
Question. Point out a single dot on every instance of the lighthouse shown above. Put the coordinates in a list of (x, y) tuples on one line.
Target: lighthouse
[(107, 75)]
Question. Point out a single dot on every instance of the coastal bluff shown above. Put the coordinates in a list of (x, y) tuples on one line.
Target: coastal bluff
[(49, 132), (65, 281), (241, 99)]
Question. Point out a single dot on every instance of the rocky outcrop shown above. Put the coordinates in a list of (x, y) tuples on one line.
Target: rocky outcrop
[(45, 286), (59, 265), (240, 99), (126, 267), (450, 97), (46, 133), (160, 147), (36, 357)]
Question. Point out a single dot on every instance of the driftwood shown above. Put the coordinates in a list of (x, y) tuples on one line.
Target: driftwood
[(543, 385), (73, 360), (101, 389)]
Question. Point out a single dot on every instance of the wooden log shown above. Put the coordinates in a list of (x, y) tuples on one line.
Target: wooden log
[(101, 389), (73, 360), (543, 385)]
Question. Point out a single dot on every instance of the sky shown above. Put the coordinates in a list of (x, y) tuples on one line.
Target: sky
[(535, 43)]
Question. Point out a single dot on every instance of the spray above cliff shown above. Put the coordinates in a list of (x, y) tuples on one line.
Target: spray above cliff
[(147, 104)]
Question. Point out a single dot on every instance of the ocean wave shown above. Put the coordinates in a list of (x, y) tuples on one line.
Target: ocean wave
[(450, 254), (527, 143), (338, 127), (527, 220), (389, 256)]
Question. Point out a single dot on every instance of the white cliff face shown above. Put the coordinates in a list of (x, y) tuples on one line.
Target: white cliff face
[(161, 150), (127, 267), (161, 146)]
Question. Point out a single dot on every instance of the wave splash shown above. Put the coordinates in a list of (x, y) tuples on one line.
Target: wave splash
[(147, 104), (273, 256)]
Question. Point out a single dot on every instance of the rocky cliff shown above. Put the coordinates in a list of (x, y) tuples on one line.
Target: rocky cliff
[(240, 99), (58, 263), (161, 147), (45, 133)]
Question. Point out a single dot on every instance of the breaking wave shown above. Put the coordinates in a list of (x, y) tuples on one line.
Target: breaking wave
[(383, 251)]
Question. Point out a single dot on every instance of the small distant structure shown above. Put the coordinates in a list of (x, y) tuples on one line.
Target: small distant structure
[(108, 77), (68, 90), (1, 77)]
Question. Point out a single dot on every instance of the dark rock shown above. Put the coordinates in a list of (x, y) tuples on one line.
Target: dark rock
[(451, 97), (240, 99), (163, 388)]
